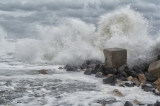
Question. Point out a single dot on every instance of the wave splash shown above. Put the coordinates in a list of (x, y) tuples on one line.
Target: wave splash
[(75, 41)]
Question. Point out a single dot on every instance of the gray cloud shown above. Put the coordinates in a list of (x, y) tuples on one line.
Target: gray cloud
[(18, 17)]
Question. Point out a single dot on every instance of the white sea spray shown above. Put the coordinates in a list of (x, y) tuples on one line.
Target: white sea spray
[(73, 41)]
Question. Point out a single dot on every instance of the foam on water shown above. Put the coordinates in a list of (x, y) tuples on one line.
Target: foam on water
[(63, 88), (73, 41)]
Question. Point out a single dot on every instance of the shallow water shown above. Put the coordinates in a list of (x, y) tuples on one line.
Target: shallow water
[(23, 85)]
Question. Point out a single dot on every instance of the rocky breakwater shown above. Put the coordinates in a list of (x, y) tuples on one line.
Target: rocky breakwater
[(115, 72)]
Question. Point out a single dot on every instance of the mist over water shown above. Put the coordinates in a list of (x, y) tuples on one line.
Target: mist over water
[(74, 41)]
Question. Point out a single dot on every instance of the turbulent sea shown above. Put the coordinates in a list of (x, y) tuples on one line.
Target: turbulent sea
[(73, 42)]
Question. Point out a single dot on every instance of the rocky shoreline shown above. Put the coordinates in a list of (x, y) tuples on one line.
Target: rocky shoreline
[(116, 72)]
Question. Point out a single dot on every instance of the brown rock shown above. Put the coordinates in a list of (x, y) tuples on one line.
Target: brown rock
[(99, 74), (157, 81), (158, 87), (135, 80), (60, 68), (109, 75), (137, 102), (115, 57), (118, 93), (142, 78), (154, 68), (43, 71), (129, 78), (120, 82)]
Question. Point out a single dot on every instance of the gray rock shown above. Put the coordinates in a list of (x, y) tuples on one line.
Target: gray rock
[(137, 69), (148, 88), (128, 104), (99, 75), (110, 80), (88, 71), (150, 77)]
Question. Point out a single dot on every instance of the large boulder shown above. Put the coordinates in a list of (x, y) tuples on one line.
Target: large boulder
[(154, 68), (115, 57)]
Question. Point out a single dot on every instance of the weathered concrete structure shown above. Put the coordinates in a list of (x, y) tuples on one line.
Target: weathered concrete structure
[(115, 57)]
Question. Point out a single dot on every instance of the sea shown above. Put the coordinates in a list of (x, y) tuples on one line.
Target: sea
[(72, 41)]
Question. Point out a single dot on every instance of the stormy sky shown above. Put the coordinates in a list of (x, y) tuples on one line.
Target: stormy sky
[(18, 17)]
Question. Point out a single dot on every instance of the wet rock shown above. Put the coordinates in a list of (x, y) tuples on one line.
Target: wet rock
[(83, 66), (92, 66), (145, 67), (129, 84), (120, 82), (115, 57), (131, 73), (99, 75), (135, 80), (109, 75), (148, 88), (157, 81), (110, 71), (126, 68), (123, 73), (43, 71), (102, 69), (107, 101), (88, 71), (120, 77), (157, 94), (137, 69), (98, 62), (122, 67), (67, 66), (154, 68), (118, 93), (110, 80), (137, 102), (158, 87), (89, 62), (157, 103), (142, 78), (71, 68), (129, 78), (127, 103), (60, 68), (96, 69), (150, 77)]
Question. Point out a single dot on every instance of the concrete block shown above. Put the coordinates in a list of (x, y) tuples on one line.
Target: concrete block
[(115, 57)]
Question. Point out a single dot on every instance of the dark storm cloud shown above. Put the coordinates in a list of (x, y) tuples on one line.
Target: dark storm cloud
[(18, 17)]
